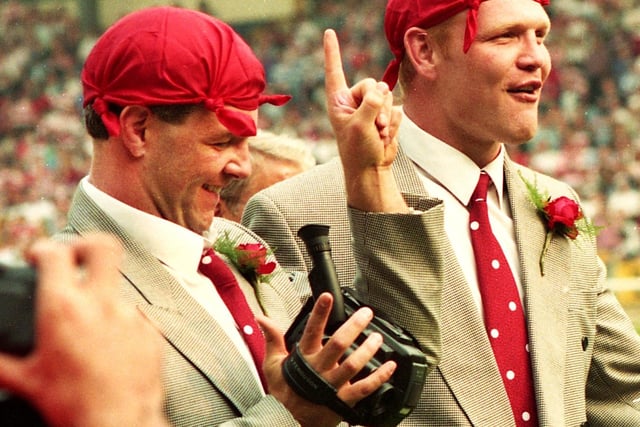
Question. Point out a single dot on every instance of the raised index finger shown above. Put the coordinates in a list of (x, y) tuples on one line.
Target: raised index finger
[(333, 73)]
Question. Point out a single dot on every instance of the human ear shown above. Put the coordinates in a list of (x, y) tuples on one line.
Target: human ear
[(421, 50), (134, 120)]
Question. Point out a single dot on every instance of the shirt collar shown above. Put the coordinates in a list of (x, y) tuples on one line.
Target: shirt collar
[(436, 158), (174, 245)]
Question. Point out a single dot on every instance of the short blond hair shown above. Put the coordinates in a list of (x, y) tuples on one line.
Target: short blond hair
[(282, 147)]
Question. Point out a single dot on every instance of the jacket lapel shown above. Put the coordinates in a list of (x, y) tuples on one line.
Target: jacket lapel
[(182, 321), (546, 296)]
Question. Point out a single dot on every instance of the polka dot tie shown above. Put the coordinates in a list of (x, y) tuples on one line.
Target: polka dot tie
[(503, 314), (212, 266)]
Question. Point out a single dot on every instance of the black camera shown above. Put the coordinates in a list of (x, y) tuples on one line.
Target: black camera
[(17, 332), (17, 315), (395, 399)]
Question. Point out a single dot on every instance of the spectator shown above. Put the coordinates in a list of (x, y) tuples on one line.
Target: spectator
[(273, 159)]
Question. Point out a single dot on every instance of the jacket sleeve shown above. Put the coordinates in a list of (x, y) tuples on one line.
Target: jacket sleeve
[(401, 270), (613, 384)]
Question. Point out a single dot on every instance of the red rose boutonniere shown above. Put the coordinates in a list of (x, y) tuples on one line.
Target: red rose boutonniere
[(249, 258), (561, 216)]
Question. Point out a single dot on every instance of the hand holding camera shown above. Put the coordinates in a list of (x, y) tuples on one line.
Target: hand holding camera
[(395, 399), (81, 369)]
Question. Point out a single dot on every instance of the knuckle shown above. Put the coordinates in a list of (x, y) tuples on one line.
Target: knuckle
[(338, 344), (368, 386), (351, 366)]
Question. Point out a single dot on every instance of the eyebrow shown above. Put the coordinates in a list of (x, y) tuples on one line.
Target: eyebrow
[(514, 27)]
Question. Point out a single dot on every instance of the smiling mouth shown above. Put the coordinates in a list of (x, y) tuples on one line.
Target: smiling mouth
[(211, 188), (525, 89), (528, 89)]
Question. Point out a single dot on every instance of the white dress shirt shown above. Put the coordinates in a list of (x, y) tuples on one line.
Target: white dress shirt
[(450, 175)]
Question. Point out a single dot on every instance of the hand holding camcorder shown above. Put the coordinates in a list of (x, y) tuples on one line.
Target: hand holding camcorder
[(395, 399)]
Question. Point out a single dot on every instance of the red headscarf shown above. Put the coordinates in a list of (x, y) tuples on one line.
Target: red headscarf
[(169, 56), (404, 14)]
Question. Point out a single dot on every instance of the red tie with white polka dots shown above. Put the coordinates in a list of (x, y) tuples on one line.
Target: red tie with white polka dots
[(212, 266), (503, 314)]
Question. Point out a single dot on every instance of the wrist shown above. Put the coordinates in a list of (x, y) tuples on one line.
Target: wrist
[(374, 189)]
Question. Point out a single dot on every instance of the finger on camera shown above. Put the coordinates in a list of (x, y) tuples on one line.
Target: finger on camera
[(99, 257), (13, 373), (55, 262), (356, 360), (368, 385), (314, 330), (344, 337)]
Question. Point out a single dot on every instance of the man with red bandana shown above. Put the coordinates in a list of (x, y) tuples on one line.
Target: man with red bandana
[(470, 76), (170, 97)]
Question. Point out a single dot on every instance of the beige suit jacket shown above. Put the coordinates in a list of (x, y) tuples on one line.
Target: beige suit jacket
[(584, 349), (206, 381)]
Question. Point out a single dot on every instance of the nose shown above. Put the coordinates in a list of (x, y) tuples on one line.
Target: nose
[(534, 54), (239, 163)]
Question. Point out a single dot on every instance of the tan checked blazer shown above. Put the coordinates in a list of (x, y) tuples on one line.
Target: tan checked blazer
[(206, 381), (584, 349)]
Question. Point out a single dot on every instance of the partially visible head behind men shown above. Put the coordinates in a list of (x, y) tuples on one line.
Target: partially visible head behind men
[(401, 15), (168, 56), (273, 158)]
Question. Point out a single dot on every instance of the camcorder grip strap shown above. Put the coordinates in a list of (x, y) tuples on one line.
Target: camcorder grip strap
[(306, 382)]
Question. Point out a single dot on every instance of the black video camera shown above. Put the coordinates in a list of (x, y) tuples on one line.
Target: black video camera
[(17, 295), (395, 399), (17, 332)]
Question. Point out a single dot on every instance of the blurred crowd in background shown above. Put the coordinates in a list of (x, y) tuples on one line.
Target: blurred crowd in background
[(589, 123)]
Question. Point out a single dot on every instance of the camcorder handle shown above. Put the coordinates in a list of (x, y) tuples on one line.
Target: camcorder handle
[(323, 276), (395, 399)]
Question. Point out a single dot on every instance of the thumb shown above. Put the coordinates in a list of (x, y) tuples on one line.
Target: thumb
[(274, 339), (12, 374)]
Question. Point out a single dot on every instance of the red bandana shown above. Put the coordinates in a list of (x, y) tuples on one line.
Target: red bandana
[(170, 56), (404, 14)]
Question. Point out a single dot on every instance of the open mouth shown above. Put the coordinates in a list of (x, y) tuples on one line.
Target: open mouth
[(529, 89)]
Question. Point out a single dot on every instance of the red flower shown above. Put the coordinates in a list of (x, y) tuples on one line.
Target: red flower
[(250, 259), (254, 256), (561, 215)]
